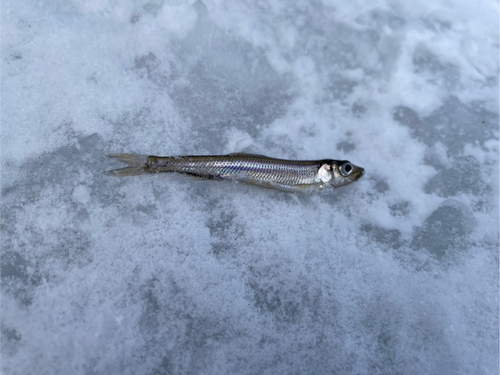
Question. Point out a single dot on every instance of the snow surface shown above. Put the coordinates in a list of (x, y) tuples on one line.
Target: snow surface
[(395, 274)]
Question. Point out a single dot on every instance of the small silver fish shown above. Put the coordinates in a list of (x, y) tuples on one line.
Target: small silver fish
[(286, 175)]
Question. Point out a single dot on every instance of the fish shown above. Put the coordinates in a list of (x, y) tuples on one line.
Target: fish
[(253, 169)]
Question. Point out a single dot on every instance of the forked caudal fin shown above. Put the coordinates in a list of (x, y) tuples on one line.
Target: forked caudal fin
[(137, 164)]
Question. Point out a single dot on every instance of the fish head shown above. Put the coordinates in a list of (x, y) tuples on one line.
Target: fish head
[(336, 173)]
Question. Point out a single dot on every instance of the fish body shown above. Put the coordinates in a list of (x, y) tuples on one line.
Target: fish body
[(281, 174)]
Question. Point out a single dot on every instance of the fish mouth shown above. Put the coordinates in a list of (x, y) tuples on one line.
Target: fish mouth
[(358, 174)]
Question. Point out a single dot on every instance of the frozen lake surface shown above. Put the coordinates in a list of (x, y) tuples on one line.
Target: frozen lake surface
[(394, 274)]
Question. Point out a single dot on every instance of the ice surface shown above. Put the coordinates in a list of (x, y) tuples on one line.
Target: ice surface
[(395, 274)]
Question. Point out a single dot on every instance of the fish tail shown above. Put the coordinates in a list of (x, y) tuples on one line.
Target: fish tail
[(137, 165)]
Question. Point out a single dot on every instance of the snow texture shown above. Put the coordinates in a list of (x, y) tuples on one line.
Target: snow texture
[(394, 274)]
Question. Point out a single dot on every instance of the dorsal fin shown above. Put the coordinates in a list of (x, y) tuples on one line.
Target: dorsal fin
[(247, 154)]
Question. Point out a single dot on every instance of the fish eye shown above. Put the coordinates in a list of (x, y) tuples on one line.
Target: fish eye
[(346, 169)]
